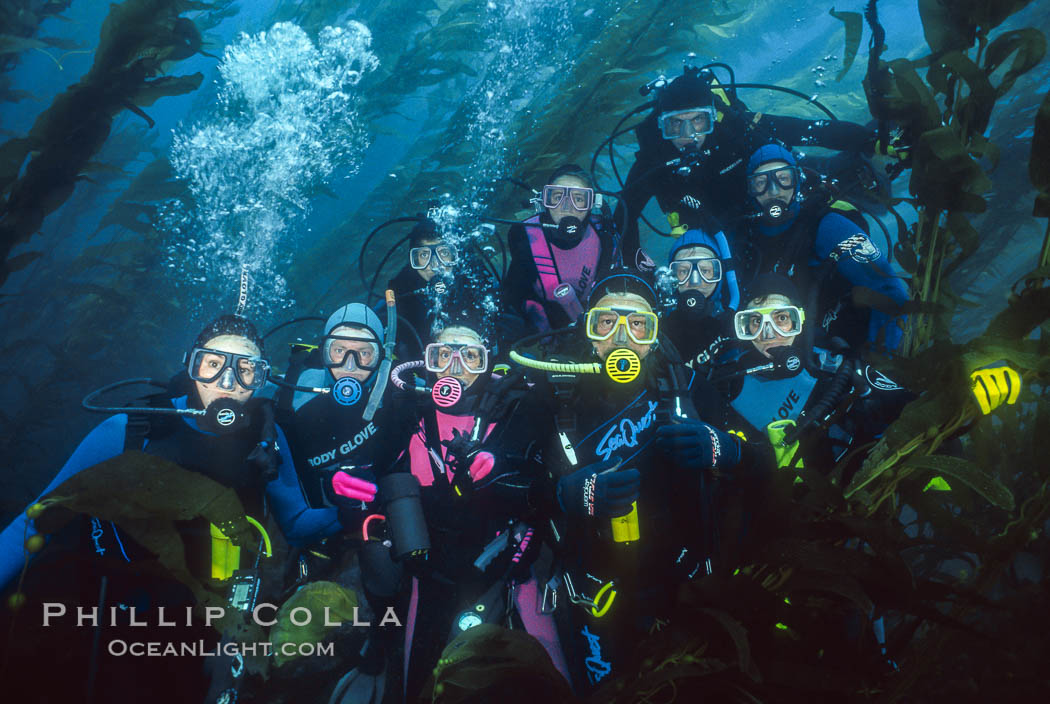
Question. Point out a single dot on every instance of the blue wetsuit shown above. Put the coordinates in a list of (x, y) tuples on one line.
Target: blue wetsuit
[(299, 523)]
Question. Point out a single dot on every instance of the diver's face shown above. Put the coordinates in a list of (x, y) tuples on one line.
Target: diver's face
[(226, 386), (350, 351), (705, 288), (566, 206), (776, 191), (456, 336), (694, 141), (620, 339), (435, 266), (772, 337)]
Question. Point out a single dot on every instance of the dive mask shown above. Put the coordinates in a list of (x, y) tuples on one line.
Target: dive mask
[(683, 124), (421, 257), (441, 357), (784, 178), (640, 326), (785, 321), (697, 270), (207, 365), (352, 352), (580, 198)]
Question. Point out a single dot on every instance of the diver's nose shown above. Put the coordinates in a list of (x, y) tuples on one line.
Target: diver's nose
[(767, 332), (456, 367), (621, 334), (226, 381)]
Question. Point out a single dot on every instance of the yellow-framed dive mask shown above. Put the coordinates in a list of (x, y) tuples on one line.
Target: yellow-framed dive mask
[(638, 325)]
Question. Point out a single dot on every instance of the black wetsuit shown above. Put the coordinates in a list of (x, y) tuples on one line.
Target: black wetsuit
[(697, 334), (714, 183), (325, 436), (677, 515)]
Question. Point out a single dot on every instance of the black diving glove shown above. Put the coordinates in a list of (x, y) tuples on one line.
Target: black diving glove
[(694, 445), (595, 492), (266, 456)]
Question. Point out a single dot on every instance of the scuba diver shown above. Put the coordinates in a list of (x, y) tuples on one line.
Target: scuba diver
[(430, 270), (706, 295), (633, 477), (826, 251), (335, 443), (443, 269), (558, 254), (694, 145), (777, 383), (207, 422), (471, 461)]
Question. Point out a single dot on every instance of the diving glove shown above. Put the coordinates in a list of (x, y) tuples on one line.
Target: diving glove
[(991, 386), (695, 445), (351, 487), (595, 492), (467, 461)]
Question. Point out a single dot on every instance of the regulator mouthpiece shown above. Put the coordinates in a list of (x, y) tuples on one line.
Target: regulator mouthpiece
[(776, 211), (623, 366), (447, 391), (223, 416), (347, 391)]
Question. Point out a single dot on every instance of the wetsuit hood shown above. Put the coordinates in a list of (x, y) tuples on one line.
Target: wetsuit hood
[(359, 315), (726, 293), (764, 155), (683, 92), (768, 153)]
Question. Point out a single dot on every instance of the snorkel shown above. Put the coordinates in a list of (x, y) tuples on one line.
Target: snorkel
[(376, 396)]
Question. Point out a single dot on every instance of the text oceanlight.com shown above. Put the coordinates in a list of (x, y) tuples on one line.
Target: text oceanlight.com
[(120, 648)]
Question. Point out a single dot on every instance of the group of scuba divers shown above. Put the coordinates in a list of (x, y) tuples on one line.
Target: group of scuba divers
[(555, 453)]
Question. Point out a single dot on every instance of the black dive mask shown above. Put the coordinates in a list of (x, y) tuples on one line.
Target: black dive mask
[(569, 233)]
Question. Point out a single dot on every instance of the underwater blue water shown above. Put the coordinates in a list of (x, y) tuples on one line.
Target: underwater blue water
[(281, 151)]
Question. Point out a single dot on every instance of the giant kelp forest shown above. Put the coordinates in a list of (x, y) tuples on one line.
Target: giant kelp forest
[(107, 266)]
